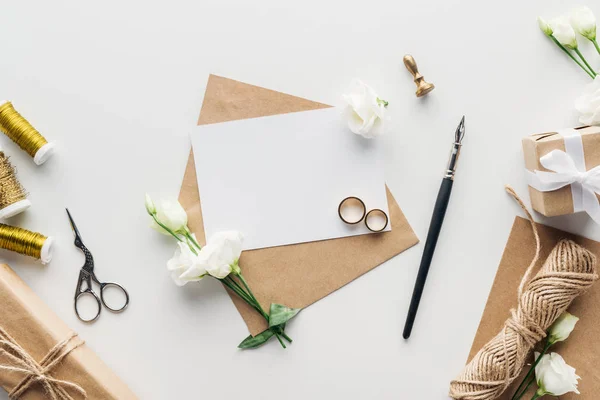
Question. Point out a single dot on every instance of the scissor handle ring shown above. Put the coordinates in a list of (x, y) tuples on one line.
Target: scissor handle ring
[(103, 286), (90, 293)]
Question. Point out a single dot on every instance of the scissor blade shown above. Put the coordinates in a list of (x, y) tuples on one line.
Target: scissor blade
[(75, 230)]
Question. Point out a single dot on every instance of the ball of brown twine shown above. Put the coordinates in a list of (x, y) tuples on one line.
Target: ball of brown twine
[(568, 271)]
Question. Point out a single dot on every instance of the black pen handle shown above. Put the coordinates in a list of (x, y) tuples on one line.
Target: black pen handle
[(437, 219)]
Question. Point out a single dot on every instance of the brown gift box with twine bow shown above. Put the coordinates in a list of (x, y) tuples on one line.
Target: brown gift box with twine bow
[(560, 201), (29, 331)]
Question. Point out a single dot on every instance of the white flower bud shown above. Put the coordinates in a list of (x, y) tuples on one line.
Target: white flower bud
[(150, 205), (562, 327), (563, 32), (544, 26), (172, 215), (584, 22)]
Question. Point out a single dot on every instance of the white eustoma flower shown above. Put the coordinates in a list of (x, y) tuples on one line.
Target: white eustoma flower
[(563, 32), (221, 254), (584, 22), (365, 112), (588, 104), (150, 205), (554, 376), (544, 26), (185, 266), (172, 215), (562, 327)]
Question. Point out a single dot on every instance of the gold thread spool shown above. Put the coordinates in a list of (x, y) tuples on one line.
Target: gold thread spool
[(26, 242), (13, 197), (20, 131)]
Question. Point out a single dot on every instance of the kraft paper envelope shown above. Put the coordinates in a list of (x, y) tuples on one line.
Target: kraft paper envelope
[(582, 348), (295, 275)]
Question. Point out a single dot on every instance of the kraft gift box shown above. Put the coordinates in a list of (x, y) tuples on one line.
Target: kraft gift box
[(560, 201), (36, 329)]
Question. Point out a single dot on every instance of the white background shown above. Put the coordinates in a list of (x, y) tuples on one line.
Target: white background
[(118, 85)]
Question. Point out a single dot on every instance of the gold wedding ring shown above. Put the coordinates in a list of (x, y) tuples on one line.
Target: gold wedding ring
[(352, 210), (376, 220)]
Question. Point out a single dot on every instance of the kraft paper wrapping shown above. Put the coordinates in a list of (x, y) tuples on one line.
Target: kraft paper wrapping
[(557, 202), (582, 348), (37, 329), (300, 274)]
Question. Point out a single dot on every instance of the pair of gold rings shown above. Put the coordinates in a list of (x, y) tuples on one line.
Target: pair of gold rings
[(352, 210)]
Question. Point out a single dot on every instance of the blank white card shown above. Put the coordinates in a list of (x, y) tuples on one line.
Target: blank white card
[(279, 180)]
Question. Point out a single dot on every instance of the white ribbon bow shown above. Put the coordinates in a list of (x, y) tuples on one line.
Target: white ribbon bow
[(584, 184)]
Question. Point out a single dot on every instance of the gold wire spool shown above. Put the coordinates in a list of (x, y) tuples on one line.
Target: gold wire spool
[(26, 242), (20, 131), (13, 198)]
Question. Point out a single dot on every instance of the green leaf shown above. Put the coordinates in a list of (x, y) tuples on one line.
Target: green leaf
[(252, 342), (280, 314)]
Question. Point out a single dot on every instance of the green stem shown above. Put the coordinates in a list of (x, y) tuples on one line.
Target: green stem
[(237, 289), (238, 286), (286, 337), (245, 284), (596, 45), (252, 295), (247, 297), (280, 341), (190, 237), (233, 285), (191, 246), (536, 396), (518, 394), (585, 61), (257, 305), (531, 380), (166, 229), (240, 293), (571, 56)]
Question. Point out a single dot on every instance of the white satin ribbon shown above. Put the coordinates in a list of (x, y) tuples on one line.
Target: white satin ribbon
[(569, 169)]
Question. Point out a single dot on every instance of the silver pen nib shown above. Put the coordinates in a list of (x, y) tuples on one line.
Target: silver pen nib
[(460, 131), (455, 153)]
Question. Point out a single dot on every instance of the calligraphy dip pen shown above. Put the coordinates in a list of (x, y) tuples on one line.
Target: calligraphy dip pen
[(439, 211)]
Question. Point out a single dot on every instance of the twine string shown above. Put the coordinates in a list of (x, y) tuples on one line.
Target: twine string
[(21, 362), (568, 271), (538, 247), (19, 130)]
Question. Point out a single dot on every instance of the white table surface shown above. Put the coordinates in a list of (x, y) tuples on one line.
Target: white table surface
[(119, 84)]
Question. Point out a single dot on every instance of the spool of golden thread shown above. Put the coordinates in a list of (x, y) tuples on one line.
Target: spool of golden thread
[(26, 242), (20, 131), (13, 198)]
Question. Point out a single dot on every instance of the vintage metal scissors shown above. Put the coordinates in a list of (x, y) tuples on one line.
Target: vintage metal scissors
[(87, 275)]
